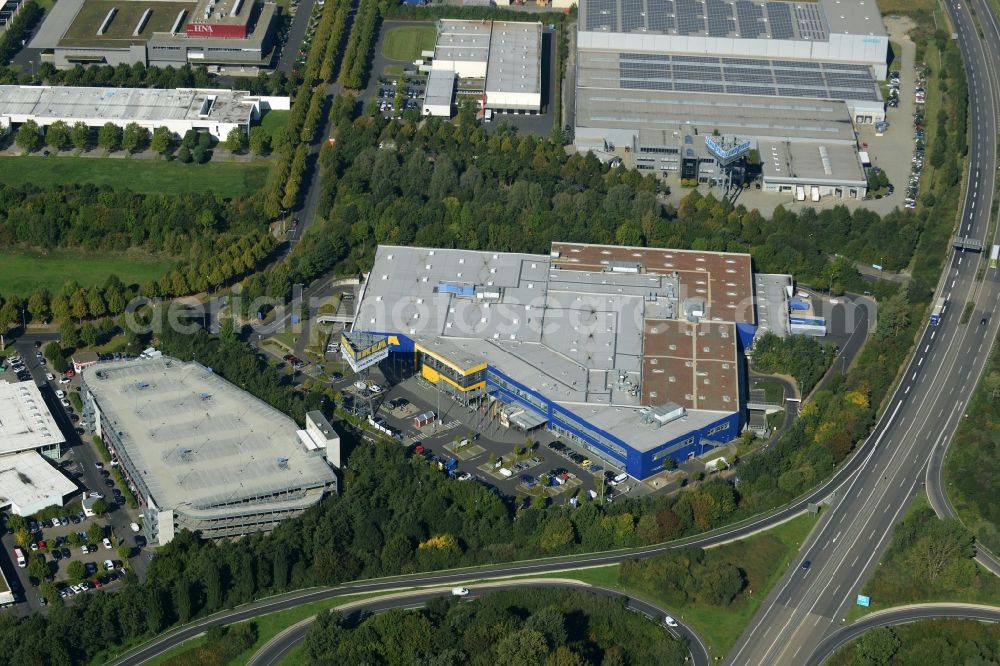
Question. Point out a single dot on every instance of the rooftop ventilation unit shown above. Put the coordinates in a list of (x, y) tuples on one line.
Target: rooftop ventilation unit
[(283, 462)]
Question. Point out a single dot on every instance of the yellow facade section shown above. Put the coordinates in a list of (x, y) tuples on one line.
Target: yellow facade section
[(451, 364), (432, 375)]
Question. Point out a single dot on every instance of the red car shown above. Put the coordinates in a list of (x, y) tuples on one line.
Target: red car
[(41, 545)]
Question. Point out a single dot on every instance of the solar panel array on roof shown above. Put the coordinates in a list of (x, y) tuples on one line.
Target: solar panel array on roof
[(779, 18), (720, 18), (751, 76), (602, 15), (690, 17), (660, 15), (751, 19), (811, 23), (632, 15)]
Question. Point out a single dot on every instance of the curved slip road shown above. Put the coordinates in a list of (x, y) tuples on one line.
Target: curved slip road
[(278, 648), (900, 615)]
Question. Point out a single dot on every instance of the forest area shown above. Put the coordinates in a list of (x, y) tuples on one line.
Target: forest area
[(525, 627)]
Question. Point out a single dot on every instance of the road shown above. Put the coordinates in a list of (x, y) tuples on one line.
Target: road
[(900, 615), (278, 648), (936, 491), (922, 415)]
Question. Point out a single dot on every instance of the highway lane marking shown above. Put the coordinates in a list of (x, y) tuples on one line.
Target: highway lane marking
[(927, 347), (914, 375), (933, 333), (907, 391), (920, 361)]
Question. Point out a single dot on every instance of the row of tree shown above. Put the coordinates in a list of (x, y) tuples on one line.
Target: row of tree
[(924, 643), (19, 28), (360, 45), (527, 627)]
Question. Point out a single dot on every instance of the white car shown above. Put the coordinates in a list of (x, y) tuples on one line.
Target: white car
[(109, 565), (65, 380), (107, 543), (360, 385), (669, 621), (374, 388), (60, 394), (134, 527), (49, 376), (55, 522), (96, 495), (460, 591), (64, 402)]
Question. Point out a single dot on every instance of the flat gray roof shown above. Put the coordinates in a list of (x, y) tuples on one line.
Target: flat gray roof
[(124, 104), (810, 161), (772, 303), (201, 444), (744, 19), (26, 478), (25, 420), (572, 325), (462, 40), (515, 58), (440, 87)]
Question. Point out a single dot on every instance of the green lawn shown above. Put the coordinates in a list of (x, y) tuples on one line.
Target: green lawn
[(773, 391), (406, 42), (225, 179), (24, 272), (272, 121)]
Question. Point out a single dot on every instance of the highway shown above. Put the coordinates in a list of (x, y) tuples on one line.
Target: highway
[(810, 601), (936, 491), (277, 648)]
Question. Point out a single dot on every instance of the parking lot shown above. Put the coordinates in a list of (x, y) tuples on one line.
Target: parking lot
[(470, 444), (396, 96)]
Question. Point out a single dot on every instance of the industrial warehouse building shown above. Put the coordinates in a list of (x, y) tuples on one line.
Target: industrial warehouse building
[(497, 62), (635, 354), (26, 424), (234, 34), (789, 80), (201, 454), (30, 483), (214, 111)]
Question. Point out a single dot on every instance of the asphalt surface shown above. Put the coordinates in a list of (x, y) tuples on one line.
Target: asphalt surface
[(936, 491), (922, 415), (901, 615), (278, 648)]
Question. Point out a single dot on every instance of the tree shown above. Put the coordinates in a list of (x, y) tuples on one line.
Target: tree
[(184, 154), (124, 552), (60, 306), (260, 142), (200, 154), (522, 648), (162, 140), (95, 303), (95, 532), (878, 646), (88, 334), (22, 537), (78, 304), (29, 136), (76, 570), (109, 137), (54, 353), (236, 140), (720, 583), (38, 305), (16, 522), (80, 135), (100, 507), (69, 336), (38, 568), (57, 135), (134, 137)]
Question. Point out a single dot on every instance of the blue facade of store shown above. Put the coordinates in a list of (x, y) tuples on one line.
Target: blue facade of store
[(570, 426)]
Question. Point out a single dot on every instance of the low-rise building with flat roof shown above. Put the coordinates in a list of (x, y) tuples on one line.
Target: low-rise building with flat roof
[(30, 483), (633, 353), (498, 62), (198, 452), (180, 110), (26, 424)]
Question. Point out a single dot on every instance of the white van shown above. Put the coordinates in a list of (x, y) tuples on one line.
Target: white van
[(506, 473), (621, 478)]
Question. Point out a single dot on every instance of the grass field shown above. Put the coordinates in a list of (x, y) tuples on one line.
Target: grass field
[(83, 30), (24, 272), (225, 179), (906, 6), (406, 42), (274, 121)]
